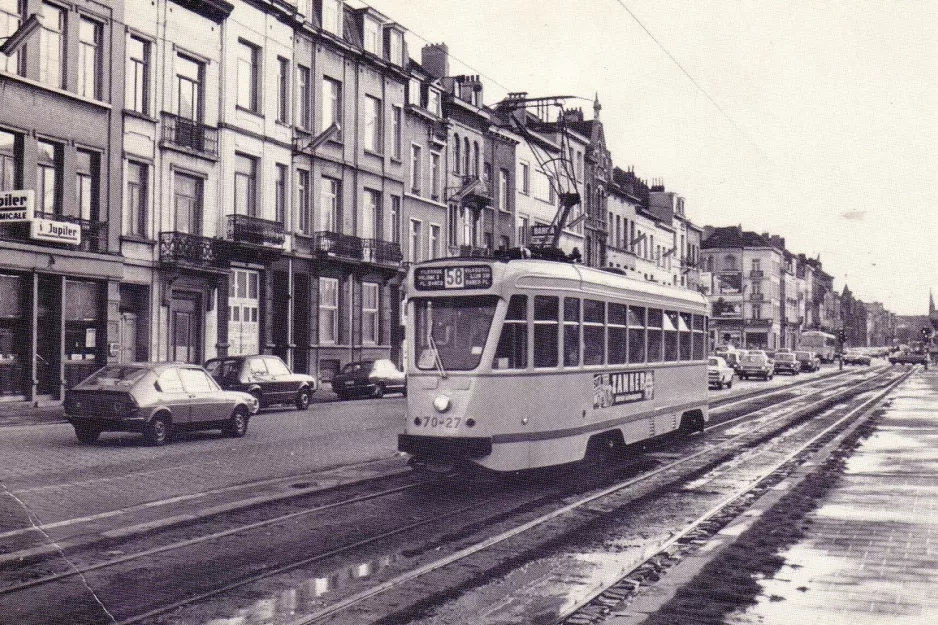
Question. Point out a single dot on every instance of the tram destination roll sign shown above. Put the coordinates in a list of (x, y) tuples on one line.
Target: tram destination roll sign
[(17, 205), (446, 278)]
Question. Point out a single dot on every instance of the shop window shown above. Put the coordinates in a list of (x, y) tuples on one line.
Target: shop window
[(81, 320), (14, 347)]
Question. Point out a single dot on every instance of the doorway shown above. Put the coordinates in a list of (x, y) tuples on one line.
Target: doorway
[(186, 327)]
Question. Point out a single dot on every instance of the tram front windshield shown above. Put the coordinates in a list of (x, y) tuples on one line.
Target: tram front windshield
[(450, 333)]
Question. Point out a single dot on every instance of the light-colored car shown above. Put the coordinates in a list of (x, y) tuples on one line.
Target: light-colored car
[(719, 374), (856, 357), (809, 361), (756, 364), (156, 400)]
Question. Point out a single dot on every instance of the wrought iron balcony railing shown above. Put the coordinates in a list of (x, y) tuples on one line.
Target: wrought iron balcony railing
[(255, 231), (190, 134), (93, 233), (759, 322), (189, 249), (757, 297), (470, 251), (756, 273), (338, 245), (381, 252)]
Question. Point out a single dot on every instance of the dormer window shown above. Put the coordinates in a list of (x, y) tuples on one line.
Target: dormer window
[(332, 16), (433, 102), (413, 92), (395, 46), (372, 40)]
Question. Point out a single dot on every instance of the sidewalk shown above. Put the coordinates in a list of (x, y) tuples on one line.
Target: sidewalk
[(866, 553)]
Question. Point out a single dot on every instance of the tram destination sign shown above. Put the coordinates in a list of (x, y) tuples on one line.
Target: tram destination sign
[(17, 205), (449, 278)]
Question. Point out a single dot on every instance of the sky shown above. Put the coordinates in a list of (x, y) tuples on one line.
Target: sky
[(816, 121)]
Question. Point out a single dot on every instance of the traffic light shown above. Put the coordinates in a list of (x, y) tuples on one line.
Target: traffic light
[(925, 333), (842, 336)]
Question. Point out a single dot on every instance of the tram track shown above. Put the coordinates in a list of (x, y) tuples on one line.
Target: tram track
[(504, 515)]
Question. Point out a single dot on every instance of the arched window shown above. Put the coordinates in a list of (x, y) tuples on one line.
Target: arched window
[(475, 158), (466, 170), (457, 159)]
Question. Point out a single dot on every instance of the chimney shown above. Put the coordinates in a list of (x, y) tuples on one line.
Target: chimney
[(435, 59)]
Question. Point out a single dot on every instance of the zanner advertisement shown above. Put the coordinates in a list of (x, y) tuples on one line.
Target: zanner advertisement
[(623, 387)]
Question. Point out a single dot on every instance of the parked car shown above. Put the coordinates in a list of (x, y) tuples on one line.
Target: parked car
[(809, 361), (735, 359), (756, 364), (719, 374), (155, 399), (265, 377), (366, 378), (908, 358), (854, 357), (785, 362)]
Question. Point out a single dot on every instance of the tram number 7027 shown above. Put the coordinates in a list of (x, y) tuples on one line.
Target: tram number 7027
[(440, 422)]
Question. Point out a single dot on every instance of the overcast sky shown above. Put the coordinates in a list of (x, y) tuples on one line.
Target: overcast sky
[(817, 121)]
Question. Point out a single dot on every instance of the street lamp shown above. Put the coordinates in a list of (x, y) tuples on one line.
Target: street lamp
[(18, 39)]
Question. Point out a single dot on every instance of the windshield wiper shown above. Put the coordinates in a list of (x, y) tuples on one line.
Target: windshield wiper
[(436, 356)]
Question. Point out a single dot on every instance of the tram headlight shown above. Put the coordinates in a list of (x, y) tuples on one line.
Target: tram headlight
[(441, 403)]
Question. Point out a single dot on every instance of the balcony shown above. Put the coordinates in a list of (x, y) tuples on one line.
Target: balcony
[(475, 190), (255, 231), (380, 252), (337, 245), (191, 135), (757, 273), (759, 322), (757, 297), (190, 250), (93, 233), (469, 251)]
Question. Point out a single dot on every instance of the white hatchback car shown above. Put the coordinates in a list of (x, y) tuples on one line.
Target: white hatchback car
[(719, 374)]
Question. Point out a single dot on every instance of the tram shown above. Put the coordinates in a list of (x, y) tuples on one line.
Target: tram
[(521, 363), (821, 343)]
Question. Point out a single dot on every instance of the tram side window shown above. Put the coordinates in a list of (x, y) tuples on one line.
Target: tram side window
[(698, 327), (683, 327), (654, 335), (618, 347), (636, 334), (546, 330), (670, 336), (512, 351), (571, 332), (594, 332)]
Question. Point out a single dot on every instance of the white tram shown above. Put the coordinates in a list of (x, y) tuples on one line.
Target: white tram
[(517, 364)]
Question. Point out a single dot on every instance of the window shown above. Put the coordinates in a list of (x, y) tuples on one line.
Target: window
[(475, 159), (52, 46), (456, 154), (89, 58), (523, 230), (416, 169), (372, 39), (371, 208), (373, 125), (11, 160), (87, 183), (49, 178), (636, 325), (756, 264), (283, 90), (332, 16), (757, 312), (280, 193), (434, 241), (594, 332), (413, 92), (329, 197), (248, 76), (10, 12), (525, 178), (304, 205), (245, 185), (571, 332), (187, 202), (466, 170), (328, 310), (395, 219), (137, 87), (654, 335), (135, 219), (304, 102), (546, 325), (396, 132), (416, 227), (450, 334), (332, 104), (196, 381), (452, 224), (395, 47), (616, 334), (503, 194), (369, 313), (684, 336), (434, 176), (433, 102), (670, 336), (189, 83), (512, 350)]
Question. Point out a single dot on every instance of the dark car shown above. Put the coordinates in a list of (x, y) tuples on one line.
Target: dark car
[(809, 361), (155, 399), (786, 362), (856, 358), (908, 358), (369, 378), (265, 377)]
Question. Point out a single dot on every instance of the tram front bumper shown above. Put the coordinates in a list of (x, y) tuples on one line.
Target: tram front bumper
[(444, 448)]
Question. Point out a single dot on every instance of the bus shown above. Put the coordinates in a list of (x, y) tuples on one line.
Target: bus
[(821, 343), (515, 364)]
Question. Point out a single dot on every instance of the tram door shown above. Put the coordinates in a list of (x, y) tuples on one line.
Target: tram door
[(185, 328)]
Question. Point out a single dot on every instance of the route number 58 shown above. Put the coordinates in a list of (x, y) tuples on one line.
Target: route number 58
[(454, 278)]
